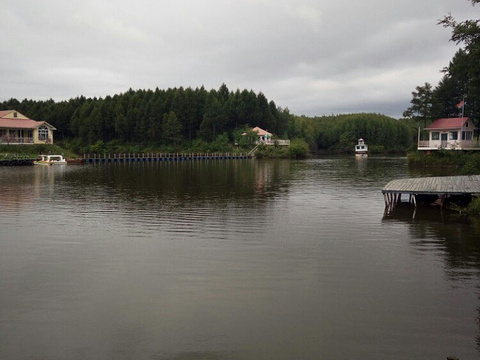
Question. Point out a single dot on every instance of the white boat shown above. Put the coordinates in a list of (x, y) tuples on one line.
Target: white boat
[(50, 160), (361, 149)]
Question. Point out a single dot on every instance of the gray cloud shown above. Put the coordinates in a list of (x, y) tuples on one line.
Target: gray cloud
[(313, 56)]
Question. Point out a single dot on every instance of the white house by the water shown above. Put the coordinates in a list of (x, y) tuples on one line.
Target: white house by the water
[(450, 134), (266, 138)]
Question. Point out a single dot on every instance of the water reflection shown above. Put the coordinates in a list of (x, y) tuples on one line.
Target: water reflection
[(450, 234), (231, 259)]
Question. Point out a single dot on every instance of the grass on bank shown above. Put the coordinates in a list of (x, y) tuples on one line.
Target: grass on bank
[(72, 149), (32, 151), (298, 149), (463, 162), (473, 209)]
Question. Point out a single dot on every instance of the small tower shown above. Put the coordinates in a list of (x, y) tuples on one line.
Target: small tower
[(361, 149)]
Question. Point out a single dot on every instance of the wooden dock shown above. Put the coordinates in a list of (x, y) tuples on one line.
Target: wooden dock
[(438, 189), (17, 162), (124, 158)]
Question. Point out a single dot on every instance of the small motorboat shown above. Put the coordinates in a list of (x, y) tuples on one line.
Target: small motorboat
[(50, 160)]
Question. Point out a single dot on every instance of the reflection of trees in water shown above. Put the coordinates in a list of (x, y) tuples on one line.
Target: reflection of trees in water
[(192, 192), (219, 181), (422, 171), (20, 187), (451, 233), (478, 324), (458, 243), (448, 234)]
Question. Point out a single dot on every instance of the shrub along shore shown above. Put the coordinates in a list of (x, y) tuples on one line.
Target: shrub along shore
[(459, 162), (462, 162)]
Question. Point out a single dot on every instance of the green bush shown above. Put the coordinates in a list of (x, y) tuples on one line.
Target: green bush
[(32, 151), (298, 149), (474, 207), (464, 163)]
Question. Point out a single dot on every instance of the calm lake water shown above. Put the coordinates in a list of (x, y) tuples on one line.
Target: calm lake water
[(231, 260)]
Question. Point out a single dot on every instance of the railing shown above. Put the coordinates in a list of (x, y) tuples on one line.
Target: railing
[(458, 144), (157, 157), (470, 144), (252, 152), (16, 140), (276, 142)]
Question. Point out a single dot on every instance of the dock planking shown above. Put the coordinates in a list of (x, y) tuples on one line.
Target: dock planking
[(441, 185), (444, 187)]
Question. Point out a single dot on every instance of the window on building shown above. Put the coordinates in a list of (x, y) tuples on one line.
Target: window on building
[(467, 135), (42, 133), (453, 135), (435, 135)]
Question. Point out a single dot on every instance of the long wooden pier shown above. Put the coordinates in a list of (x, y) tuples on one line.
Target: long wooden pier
[(438, 190), (123, 158), (16, 161)]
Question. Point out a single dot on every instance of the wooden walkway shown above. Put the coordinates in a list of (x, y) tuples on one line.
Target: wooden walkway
[(16, 162), (123, 158), (443, 187)]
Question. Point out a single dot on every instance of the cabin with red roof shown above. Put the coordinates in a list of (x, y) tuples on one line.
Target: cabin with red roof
[(16, 128), (266, 138), (450, 134)]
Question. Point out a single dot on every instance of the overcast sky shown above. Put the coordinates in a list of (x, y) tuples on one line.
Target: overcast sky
[(316, 57)]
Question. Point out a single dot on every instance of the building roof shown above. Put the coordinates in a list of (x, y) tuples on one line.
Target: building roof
[(448, 123), (20, 123), (8, 121), (261, 132)]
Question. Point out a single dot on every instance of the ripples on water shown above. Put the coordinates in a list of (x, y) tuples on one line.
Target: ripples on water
[(230, 260)]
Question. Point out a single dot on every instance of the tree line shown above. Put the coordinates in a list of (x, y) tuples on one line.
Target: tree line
[(156, 117), (339, 133), (182, 118), (458, 92)]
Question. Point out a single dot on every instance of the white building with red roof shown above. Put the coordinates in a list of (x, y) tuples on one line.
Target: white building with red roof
[(450, 134), (266, 138), (16, 128)]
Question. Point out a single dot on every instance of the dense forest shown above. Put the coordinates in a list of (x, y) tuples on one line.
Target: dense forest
[(460, 84), (156, 117), (338, 133), (194, 118)]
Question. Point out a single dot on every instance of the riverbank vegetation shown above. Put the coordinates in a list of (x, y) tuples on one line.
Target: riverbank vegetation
[(160, 119), (197, 120), (32, 151), (458, 162), (473, 209), (337, 134)]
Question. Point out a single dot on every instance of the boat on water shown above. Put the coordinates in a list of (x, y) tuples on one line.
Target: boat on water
[(50, 160), (361, 149)]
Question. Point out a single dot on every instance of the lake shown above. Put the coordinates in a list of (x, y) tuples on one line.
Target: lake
[(231, 259)]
